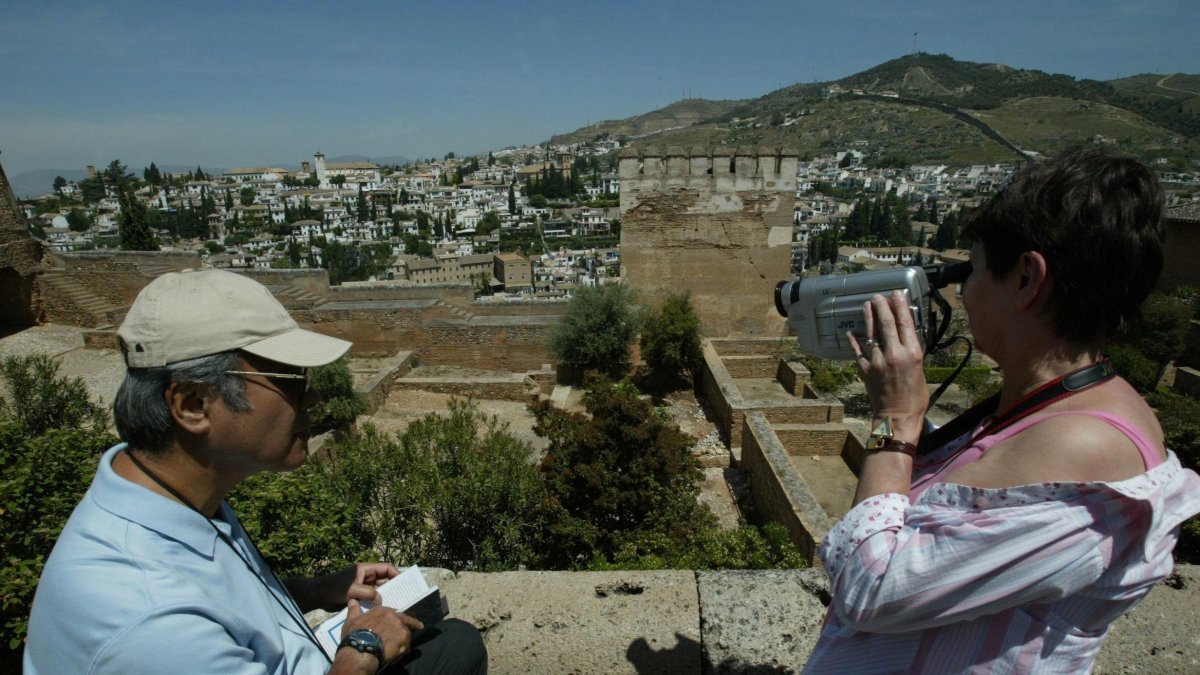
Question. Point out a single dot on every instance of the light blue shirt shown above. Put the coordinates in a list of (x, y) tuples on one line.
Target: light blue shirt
[(139, 583)]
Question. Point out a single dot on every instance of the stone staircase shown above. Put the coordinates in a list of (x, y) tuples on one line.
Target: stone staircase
[(70, 302), (154, 270), (294, 297)]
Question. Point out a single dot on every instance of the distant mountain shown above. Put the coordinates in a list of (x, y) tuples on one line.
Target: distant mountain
[(386, 159), (37, 183), (678, 115), (929, 107), (30, 184)]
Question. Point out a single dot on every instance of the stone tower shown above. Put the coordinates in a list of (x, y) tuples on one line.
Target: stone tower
[(20, 262), (319, 163), (716, 222)]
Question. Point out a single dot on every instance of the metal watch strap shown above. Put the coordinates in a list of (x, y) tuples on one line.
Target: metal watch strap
[(893, 445)]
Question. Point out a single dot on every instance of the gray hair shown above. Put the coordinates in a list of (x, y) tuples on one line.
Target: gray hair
[(140, 410)]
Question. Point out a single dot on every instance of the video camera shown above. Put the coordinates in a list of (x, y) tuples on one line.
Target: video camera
[(823, 309)]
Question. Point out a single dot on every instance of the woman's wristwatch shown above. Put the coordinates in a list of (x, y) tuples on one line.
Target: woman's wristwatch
[(882, 439), (364, 640)]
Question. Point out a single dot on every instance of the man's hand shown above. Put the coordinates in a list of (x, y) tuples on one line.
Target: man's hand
[(394, 628), (332, 591)]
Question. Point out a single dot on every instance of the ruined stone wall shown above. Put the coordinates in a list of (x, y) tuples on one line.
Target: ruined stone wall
[(315, 281), (508, 389), (780, 494), (715, 223), (20, 261), (532, 308), (456, 294), (118, 276), (1180, 255), (434, 335)]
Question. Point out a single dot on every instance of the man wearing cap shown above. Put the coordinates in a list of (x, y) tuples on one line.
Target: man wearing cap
[(153, 573)]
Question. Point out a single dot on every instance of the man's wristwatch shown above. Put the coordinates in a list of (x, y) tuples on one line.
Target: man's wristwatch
[(881, 440), (364, 640)]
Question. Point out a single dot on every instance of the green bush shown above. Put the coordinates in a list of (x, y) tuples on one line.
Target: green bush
[(670, 339), (42, 400), (340, 405), (50, 443), (939, 374), (595, 332), (1179, 417), (451, 491), (828, 376), (1141, 372)]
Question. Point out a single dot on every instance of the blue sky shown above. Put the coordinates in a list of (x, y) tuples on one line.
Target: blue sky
[(225, 84)]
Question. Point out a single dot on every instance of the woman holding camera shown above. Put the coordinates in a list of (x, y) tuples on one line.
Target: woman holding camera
[(1016, 534)]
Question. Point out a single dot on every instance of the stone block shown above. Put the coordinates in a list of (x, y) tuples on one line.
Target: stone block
[(760, 621), (582, 622), (1187, 381)]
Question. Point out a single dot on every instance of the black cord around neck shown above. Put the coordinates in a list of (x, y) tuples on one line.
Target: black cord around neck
[(293, 612)]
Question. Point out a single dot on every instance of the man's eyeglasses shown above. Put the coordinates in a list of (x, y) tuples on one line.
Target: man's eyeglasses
[(306, 376)]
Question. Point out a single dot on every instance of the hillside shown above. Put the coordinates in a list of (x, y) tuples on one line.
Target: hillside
[(1148, 115), (680, 114)]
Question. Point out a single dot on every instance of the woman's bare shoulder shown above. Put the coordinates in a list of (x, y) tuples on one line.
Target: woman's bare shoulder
[(1078, 448)]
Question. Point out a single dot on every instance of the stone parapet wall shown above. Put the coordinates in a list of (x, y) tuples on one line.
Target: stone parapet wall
[(715, 223), (732, 621)]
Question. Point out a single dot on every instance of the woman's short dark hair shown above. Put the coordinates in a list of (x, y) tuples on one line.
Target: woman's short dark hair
[(140, 410), (1097, 219)]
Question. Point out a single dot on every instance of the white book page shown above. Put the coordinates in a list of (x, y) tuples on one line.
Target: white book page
[(399, 592)]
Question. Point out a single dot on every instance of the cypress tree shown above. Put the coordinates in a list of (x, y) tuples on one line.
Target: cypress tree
[(135, 233)]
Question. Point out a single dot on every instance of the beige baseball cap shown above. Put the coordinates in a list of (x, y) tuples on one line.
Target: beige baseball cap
[(194, 313)]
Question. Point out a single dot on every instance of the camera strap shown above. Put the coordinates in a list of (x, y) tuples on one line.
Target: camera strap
[(1056, 390)]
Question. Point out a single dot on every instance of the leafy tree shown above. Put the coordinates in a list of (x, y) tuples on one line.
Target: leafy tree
[(947, 232), (152, 175), (596, 330), (246, 196), (116, 176), (59, 184), (623, 473), (670, 339), (538, 201), (1142, 351), (489, 223), (340, 405), (338, 180), (132, 227), (92, 189), (362, 209), (78, 221)]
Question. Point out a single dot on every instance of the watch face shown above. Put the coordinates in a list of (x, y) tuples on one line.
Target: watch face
[(366, 636)]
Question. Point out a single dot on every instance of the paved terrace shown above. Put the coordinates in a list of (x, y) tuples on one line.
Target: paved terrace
[(675, 621)]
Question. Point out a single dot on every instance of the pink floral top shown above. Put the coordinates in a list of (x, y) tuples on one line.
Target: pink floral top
[(957, 579)]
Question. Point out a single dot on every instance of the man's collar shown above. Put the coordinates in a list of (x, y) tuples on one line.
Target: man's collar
[(137, 504)]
